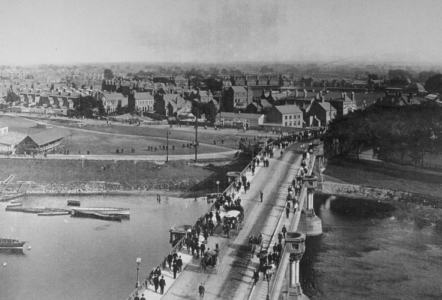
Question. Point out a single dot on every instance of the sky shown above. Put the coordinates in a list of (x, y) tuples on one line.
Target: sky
[(208, 31)]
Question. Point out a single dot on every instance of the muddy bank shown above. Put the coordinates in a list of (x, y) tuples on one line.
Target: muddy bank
[(175, 187)]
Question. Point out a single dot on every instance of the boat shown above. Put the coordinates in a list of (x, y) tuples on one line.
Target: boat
[(32, 210), (14, 205), (103, 210), (96, 215), (11, 243), (14, 208), (73, 202), (54, 213)]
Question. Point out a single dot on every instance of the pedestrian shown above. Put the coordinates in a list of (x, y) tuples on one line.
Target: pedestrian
[(197, 249), (201, 290), (256, 276), (287, 211), (175, 269), (180, 264), (136, 297), (262, 194), (284, 231), (156, 282), (280, 237), (162, 284), (169, 260), (142, 297), (202, 249)]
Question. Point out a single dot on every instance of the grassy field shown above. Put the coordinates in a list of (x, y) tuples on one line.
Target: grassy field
[(383, 177), (99, 138)]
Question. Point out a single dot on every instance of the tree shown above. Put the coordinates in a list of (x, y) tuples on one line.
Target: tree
[(423, 76), (266, 69), (434, 84), (108, 74)]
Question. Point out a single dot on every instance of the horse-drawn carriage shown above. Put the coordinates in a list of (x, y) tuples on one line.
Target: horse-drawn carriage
[(233, 221), (210, 260), (254, 242)]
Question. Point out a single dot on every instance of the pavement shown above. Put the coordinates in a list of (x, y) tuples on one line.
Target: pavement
[(234, 277)]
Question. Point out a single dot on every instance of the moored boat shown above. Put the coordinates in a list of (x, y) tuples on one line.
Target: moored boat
[(14, 205), (74, 203), (54, 213), (32, 210), (11, 243), (103, 210)]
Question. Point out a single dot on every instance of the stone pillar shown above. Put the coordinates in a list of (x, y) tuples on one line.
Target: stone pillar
[(312, 225), (295, 247), (295, 287)]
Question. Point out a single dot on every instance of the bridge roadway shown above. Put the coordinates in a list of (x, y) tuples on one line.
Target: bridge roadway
[(234, 277)]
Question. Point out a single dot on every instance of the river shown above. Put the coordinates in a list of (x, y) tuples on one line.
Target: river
[(77, 258), (366, 253)]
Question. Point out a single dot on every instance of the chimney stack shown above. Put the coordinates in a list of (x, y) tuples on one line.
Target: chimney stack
[(305, 94), (352, 96), (296, 93), (322, 99)]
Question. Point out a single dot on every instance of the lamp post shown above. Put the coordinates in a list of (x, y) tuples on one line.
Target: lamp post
[(167, 144), (82, 161), (217, 187), (138, 270), (196, 134), (268, 287)]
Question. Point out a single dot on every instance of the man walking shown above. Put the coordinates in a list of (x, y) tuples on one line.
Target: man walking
[(287, 211), (156, 283), (201, 290), (162, 284), (262, 194), (280, 237), (284, 231)]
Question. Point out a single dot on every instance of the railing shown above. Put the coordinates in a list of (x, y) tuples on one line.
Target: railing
[(179, 245)]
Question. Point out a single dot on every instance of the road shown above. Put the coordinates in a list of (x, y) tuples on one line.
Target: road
[(234, 278)]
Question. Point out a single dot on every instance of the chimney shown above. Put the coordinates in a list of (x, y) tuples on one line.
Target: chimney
[(305, 94), (322, 99), (343, 95), (353, 96), (296, 93)]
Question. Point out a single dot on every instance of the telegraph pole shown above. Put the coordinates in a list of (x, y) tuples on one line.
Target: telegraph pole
[(196, 134)]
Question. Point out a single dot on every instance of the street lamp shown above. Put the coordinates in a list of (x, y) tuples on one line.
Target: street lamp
[(268, 286), (138, 271), (217, 187), (82, 161)]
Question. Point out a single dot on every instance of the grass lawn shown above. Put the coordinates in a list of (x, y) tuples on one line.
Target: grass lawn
[(376, 176), (139, 138), (225, 138)]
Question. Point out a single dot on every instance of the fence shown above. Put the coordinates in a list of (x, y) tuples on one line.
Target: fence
[(179, 245), (426, 165)]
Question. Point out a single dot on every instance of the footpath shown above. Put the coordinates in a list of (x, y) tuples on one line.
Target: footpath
[(233, 279)]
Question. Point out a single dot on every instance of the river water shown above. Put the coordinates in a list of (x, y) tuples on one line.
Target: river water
[(77, 258), (366, 253)]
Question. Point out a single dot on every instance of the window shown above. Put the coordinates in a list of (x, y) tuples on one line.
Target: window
[(290, 117), (285, 123), (290, 124), (285, 117)]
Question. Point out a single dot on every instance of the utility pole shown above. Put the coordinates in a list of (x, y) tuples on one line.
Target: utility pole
[(196, 134)]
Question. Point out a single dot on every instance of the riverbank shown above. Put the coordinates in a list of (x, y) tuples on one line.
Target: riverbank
[(423, 210)]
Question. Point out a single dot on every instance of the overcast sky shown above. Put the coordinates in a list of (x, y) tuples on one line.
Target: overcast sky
[(74, 31)]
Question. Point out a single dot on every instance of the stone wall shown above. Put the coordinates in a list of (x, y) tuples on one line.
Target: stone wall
[(380, 194)]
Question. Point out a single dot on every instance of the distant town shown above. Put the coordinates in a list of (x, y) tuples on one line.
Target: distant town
[(272, 97)]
